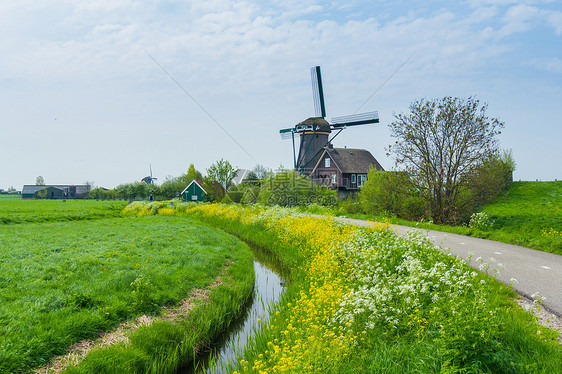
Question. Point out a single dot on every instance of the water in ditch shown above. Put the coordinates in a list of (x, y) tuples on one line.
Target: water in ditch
[(267, 290)]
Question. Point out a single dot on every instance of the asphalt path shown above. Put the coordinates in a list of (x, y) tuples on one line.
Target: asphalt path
[(529, 272)]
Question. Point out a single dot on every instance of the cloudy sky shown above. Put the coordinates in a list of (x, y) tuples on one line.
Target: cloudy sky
[(90, 90)]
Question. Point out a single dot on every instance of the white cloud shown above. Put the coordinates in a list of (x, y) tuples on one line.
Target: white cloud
[(518, 19), (554, 18), (552, 65)]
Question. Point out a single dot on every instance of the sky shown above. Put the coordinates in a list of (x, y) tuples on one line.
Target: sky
[(99, 91)]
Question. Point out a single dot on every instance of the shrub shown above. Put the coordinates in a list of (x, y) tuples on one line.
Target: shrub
[(391, 192), (289, 188), (480, 221)]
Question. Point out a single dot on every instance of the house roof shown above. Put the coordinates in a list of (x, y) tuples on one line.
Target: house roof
[(200, 183), (349, 160), (240, 176)]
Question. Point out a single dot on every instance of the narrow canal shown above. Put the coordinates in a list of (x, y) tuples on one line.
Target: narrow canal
[(267, 291)]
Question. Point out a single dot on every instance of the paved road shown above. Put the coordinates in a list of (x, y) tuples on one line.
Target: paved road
[(535, 271)]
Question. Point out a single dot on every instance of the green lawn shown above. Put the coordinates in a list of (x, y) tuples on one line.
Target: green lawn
[(529, 215), (62, 282)]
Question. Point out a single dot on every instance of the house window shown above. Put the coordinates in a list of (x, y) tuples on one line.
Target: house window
[(353, 178), (334, 178), (361, 178), (193, 197), (327, 162)]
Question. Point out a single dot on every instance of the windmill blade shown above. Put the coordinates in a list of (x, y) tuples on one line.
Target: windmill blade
[(287, 133), (318, 92), (355, 119)]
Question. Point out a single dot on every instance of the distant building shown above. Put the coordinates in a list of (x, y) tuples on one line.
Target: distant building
[(55, 191), (195, 191), (241, 176), (343, 169)]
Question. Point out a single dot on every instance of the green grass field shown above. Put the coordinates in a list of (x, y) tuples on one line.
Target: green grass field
[(77, 274), (13, 209), (529, 215)]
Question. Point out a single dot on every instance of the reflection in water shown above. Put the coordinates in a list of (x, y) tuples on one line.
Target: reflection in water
[(267, 290)]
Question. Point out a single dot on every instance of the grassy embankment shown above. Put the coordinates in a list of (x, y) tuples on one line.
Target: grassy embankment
[(528, 214), (68, 277), (363, 300)]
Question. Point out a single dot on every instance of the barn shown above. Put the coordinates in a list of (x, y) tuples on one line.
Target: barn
[(195, 191), (55, 191), (343, 169)]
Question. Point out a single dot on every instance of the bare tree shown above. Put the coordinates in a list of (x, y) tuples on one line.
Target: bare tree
[(39, 181), (441, 143)]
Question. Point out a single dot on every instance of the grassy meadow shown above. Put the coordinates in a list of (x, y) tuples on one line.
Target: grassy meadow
[(363, 300), (71, 270), (15, 210), (529, 214)]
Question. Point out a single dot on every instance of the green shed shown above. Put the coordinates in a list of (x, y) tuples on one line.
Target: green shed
[(195, 192)]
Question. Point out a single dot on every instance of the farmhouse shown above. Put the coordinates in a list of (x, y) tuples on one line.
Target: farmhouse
[(195, 191), (55, 191), (343, 169)]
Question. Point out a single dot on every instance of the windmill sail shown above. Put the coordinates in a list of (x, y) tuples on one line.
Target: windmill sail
[(318, 92), (287, 133), (355, 119)]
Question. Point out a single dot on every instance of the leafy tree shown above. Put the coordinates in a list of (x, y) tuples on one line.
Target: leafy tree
[(42, 194), (100, 193), (252, 176), (39, 181), (391, 193), (222, 172), (215, 191), (192, 174), (441, 143), (289, 188)]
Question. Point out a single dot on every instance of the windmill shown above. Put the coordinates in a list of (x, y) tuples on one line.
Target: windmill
[(315, 132), (149, 179)]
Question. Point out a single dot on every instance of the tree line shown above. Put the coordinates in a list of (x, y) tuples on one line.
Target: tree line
[(447, 157)]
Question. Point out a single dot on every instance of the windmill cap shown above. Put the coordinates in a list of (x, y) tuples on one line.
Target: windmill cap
[(318, 123)]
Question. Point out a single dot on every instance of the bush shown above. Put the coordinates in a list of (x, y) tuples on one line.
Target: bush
[(391, 193), (289, 188), (491, 177), (480, 221), (350, 205)]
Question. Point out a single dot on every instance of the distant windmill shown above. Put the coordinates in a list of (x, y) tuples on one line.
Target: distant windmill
[(315, 132), (149, 179)]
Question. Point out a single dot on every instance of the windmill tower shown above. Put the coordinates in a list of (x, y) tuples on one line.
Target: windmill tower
[(315, 132)]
